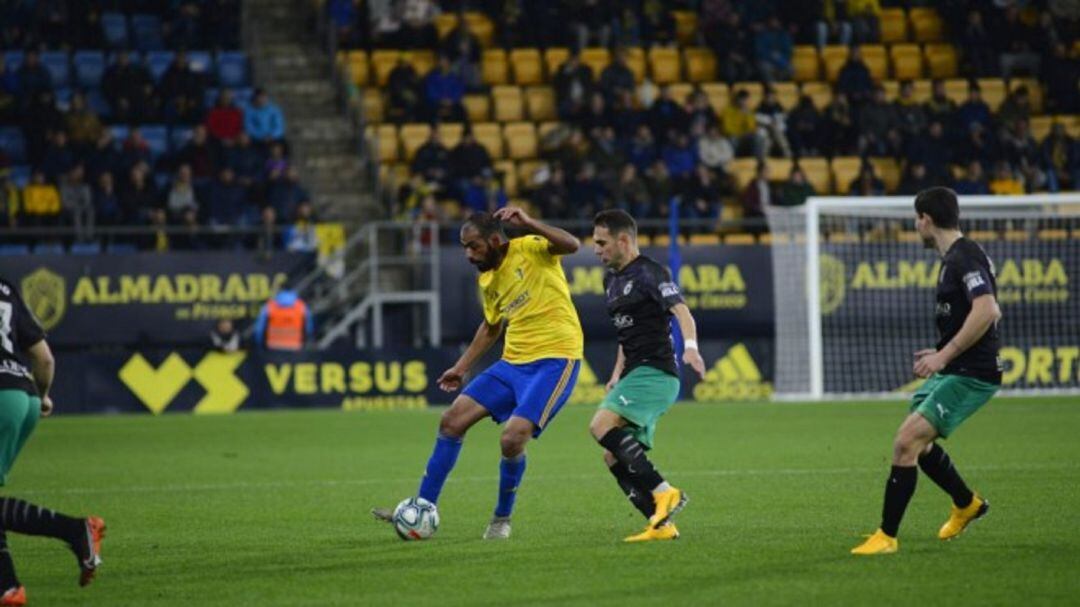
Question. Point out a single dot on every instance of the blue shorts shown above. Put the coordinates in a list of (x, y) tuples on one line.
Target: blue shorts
[(535, 391)]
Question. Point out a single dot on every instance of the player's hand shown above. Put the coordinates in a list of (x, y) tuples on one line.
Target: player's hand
[(513, 216), (693, 358), (46, 406), (450, 380), (929, 364), (924, 352), (610, 385)]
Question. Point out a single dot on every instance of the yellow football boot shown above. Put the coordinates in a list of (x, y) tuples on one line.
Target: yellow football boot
[(668, 504), (667, 531), (960, 518), (879, 543)]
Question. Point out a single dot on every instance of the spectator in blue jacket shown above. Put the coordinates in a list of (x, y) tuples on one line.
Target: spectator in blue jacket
[(854, 79), (444, 91), (263, 120), (772, 51)]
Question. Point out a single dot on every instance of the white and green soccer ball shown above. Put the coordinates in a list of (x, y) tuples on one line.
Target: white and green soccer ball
[(416, 519)]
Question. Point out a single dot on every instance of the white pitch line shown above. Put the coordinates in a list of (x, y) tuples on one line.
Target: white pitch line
[(232, 486)]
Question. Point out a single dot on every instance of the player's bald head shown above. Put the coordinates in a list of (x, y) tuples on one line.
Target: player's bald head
[(940, 205)]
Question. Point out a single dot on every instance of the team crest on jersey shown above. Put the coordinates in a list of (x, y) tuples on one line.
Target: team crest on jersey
[(629, 287), (45, 294)]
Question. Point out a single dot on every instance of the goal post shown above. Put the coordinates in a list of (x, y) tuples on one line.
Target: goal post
[(854, 292)]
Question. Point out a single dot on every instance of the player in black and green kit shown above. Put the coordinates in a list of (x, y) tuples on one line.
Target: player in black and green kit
[(24, 395), (641, 299), (963, 372)]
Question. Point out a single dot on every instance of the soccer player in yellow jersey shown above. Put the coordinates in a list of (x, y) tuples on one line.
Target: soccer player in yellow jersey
[(524, 291)]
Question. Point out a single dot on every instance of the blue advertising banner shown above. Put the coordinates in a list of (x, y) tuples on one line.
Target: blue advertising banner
[(147, 299)]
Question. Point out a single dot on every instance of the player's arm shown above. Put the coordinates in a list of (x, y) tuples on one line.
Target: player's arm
[(616, 373), (486, 336), (688, 327), (984, 313), (42, 367), (560, 241)]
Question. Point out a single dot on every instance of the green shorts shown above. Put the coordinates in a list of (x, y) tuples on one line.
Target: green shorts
[(19, 412), (947, 400), (640, 398)]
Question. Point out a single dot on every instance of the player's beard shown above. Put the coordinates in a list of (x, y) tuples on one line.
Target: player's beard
[(489, 261)]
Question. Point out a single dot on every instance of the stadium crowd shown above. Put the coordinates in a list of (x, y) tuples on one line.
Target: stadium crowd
[(109, 117), (635, 145)]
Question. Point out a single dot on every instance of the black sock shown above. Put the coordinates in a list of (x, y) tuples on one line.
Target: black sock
[(8, 579), (631, 454), (937, 465), (23, 517), (898, 491), (641, 499)]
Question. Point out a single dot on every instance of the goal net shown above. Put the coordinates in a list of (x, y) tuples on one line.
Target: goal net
[(854, 290)]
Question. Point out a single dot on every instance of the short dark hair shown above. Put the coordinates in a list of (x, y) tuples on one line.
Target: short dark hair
[(616, 221), (941, 205), (485, 223)]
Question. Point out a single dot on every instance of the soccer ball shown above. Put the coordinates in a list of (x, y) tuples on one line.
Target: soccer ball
[(416, 519)]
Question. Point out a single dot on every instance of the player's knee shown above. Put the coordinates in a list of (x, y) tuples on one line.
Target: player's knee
[(906, 450), (513, 441), (609, 459), (451, 424), (599, 427)]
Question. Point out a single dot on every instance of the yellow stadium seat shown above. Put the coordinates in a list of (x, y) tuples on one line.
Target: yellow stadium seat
[(596, 58), (385, 141), (1053, 234), (804, 64), (907, 61), (422, 61), (740, 239), (742, 170), (923, 90), (643, 240), (508, 173), (700, 64), (956, 89), (1035, 92), (413, 136), (527, 172), (521, 142), (494, 67), (755, 90), (373, 105), (982, 235), (444, 24), (705, 239), (1017, 235), (1040, 126), (509, 103), (686, 26), (844, 170), (821, 93), (450, 133), (356, 63), (941, 60), (553, 58), (480, 25), (889, 172), (451, 209), (1071, 122), (926, 25), (817, 173), (528, 66), (540, 101), (833, 58), (489, 135), (382, 62), (664, 65), (892, 89), (876, 60), (787, 93), (477, 108), (635, 62), (680, 91), (779, 169), (993, 92), (893, 25), (546, 127), (717, 93)]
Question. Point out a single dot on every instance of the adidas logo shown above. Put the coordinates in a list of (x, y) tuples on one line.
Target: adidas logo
[(734, 377)]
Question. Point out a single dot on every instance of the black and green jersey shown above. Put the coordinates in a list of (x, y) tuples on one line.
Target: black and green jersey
[(639, 301), (966, 273), (18, 331)]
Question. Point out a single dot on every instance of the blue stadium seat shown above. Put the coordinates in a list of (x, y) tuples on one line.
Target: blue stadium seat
[(157, 137), (146, 30), (14, 249), (114, 27), (179, 136), (210, 96), (48, 248), (20, 175), (13, 144), (89, 68), (121, 248), (63, 98), (232, 69), (13, 60), (243, 96), (96, 100), (59, 67), (86, 248), (119, 133), (201, 62), (162, 181), (157, 62)]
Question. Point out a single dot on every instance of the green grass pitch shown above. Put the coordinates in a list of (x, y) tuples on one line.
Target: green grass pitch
[(272, 509)]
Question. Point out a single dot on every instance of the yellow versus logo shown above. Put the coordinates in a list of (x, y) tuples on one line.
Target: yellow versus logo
[(45, 294), (156, 388)]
